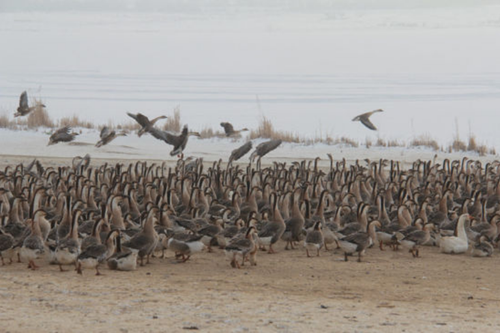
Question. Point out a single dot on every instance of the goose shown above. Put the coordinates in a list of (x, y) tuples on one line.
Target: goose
[(414, 239), (242, 248), (295, 224), (7, 250), (264, 148), (96, 254), (33, 246), (178, 141), (482, 248), (122, 260), (459, 243), (358, 242), (62, 135), (144, 121), (238, 153), (273, 230), (24, 109), (184, 245), (107, 135), (68, 249), (229, 129), (365, 119), (314, 239), (144, 242)]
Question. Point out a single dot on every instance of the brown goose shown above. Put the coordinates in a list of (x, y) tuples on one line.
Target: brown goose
[(273, 230), (24, 109), (33, 246), (68, 249), (358, 242), (242, 248), (96, 254), (314, 239), (144, 242), (6, 247), (264, 148), (365, 119), (107, 135), (178, 141), (238, 153), (62, 135), (122, 260), (144, 121), (414, 239), (294, 225), (229, 129)]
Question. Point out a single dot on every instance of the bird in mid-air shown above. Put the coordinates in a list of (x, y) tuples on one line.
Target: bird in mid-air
[(24, 109), (365, 119)]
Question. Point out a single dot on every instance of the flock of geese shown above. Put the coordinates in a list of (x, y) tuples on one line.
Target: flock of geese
[(120, 215), (178, 141)]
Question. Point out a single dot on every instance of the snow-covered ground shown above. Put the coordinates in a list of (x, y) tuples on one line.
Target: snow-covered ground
[(432, 66)]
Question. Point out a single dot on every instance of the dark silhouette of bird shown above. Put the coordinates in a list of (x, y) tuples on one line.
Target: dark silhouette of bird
[(107, 135), (365, 119), (240, 152), (178, 141), (264, 148), (229, 129), (144, 121), (24, 109), (62, 135)]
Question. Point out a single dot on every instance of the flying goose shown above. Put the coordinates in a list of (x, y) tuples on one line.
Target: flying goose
[(178, 141), (365, 119), (62, 135), (238, 153), (107, 135), (229, 129), (265, 147), (24, 109), (144, 121)]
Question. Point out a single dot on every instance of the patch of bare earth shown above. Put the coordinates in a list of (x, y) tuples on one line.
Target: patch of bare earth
[(287, 292)]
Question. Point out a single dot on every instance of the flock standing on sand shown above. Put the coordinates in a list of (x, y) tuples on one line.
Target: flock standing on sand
[(121, 215)]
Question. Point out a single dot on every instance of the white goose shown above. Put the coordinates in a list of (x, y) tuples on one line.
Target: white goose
[(459, 243)]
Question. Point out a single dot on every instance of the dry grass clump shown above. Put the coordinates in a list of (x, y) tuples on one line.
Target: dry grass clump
[(4, 121), (39, 117), (424, 141), (266, 130), (173, 123), (380, 143), (348, 142), (458, 145), (368, 143), (208, 133), (74, 121)]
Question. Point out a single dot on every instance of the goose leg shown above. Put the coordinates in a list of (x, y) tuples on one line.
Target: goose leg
[(345, 256), (3, 263), (307, 251), (359, 256), (61, 269), (79, 269), (317, 252), (97, 270), (381, 245)]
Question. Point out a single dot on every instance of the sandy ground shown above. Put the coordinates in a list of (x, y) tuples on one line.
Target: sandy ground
[(285, 292)]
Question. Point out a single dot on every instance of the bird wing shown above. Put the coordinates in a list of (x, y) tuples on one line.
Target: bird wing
[(140, 118), (105, 132), (228, 128), (366, 121), (266, 147), (23, 100), (169, 138), (240, 152)]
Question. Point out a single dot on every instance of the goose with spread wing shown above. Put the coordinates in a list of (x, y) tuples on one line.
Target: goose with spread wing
[(365, 119), (107, 135), (144, 121), (62, 135), (24, 109), (238, 153), (178, 141), (229, 129)]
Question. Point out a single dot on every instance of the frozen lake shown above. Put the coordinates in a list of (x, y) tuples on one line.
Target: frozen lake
[(433, 70)]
